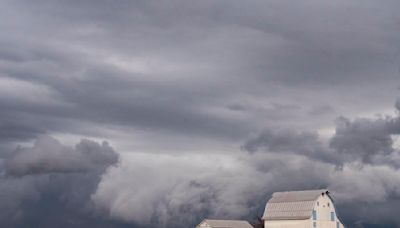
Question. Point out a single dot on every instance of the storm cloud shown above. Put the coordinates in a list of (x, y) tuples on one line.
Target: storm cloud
[(210, 106), (50, 184)]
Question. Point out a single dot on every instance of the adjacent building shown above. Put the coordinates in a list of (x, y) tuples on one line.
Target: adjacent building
[(211, 223)]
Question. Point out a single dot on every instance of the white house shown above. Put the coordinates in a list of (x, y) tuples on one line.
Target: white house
[(294, 209), (301, 209), (211, 223)]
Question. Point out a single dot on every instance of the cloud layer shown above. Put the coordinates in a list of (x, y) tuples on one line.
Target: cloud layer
[(210, 106)]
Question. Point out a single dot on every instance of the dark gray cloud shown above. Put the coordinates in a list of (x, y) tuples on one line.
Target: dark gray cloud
[(285, 141), (362, 139), (50, 184), (49, 156), (291, 142), (368, 140), (174, 84)]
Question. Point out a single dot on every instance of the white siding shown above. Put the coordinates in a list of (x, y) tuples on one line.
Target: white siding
[(323, 211), (287, 224)]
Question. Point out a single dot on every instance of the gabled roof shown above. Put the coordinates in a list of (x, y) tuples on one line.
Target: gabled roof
[(292, 205), (227, 223)]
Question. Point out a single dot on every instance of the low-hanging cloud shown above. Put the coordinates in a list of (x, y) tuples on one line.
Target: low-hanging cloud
[(174, 191), (49, 184)]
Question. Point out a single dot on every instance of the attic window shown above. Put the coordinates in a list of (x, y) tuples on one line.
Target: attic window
[(329, 205)]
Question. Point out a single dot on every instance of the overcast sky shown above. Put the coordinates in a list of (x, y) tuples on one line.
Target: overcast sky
[(160, 113)]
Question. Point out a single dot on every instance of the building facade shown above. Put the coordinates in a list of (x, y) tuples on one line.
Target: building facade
[(301, 209)]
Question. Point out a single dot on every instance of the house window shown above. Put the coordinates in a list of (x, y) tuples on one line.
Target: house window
[(329, 205), (317, 203), (314, 215), (337, 225), (314, 224), (332, 216)]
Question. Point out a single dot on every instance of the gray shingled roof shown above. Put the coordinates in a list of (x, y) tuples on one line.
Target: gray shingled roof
[(291, 205), (227, 223)]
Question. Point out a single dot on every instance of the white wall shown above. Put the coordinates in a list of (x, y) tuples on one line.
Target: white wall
[(287, 224), (324, 206)]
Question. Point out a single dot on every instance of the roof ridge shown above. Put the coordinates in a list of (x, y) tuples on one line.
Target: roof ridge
[(307, 190), (226, 220)]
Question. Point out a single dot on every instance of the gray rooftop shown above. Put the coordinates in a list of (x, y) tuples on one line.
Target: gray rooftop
[(291, 205), (227, 223)]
